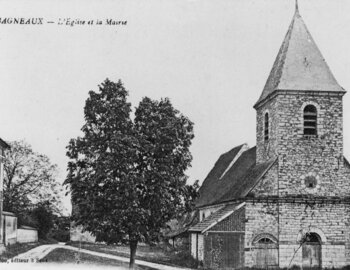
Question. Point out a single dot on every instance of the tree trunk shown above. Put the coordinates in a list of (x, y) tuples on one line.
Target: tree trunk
[(133, 246)]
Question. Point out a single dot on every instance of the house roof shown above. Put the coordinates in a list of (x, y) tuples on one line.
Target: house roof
[(299, 64), (238, 180), (24, 227), (215, 218), (4, 144), (5, 213)]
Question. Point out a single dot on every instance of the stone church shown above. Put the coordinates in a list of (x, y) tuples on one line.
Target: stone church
[(285, 201)]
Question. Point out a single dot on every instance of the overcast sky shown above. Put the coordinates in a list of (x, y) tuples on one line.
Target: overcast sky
[(211, 58)]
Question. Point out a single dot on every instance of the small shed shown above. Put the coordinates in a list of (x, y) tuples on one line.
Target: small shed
[(26, 234), (9, 228)]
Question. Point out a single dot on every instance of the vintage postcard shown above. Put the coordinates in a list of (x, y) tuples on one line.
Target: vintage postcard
[(190, 134)]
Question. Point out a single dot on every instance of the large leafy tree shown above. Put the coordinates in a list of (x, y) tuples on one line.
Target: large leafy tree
[(29, 179), (191, 193), (127, 176)]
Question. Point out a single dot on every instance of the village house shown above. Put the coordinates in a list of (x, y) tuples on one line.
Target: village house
[(285, 201), (9, 233), (3, 146)]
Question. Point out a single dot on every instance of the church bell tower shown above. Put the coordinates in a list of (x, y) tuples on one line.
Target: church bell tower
[(300, 117)]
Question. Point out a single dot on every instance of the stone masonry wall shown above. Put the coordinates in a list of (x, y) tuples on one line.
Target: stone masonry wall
[(329, 221), (266, 149), (268, 184), (321, 156), (261, 218), (301, 156), (347, 236)]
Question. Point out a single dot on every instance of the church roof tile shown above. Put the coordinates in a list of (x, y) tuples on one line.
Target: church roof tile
[(237, 181)]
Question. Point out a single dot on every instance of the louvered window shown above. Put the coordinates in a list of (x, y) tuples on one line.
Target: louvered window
[(266, 127), (310, 120)]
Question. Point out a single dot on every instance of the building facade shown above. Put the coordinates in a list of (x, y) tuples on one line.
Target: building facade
[(3, 146), (286, 201)]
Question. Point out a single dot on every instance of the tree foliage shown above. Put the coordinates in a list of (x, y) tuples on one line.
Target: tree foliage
[(127, 177), (29, 179), (61, 228), (191, 193), (44, 219)]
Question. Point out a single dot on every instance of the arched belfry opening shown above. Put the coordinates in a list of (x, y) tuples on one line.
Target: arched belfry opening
[(310, 120)]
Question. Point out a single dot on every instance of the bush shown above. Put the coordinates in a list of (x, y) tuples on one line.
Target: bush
[(44, 218), (61, 235), (61, 229), (184, 258)]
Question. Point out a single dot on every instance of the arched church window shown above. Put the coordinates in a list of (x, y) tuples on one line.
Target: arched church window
[(266, 127), (310, 120)]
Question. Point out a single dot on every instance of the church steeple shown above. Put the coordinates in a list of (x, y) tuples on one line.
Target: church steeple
[(299, 65)]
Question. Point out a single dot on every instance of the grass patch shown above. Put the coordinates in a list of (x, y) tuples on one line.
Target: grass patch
[(61, 255), (144, 252), (18, 248)]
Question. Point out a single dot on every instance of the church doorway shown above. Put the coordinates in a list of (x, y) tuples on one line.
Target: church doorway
[(266, 252), (311, 252)]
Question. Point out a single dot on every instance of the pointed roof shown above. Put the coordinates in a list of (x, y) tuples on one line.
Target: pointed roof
[(299, 64)]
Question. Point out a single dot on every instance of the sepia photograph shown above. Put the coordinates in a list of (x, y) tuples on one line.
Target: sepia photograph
[(165, 135)]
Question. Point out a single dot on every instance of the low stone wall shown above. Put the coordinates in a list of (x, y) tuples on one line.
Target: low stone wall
[(27, 235)]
